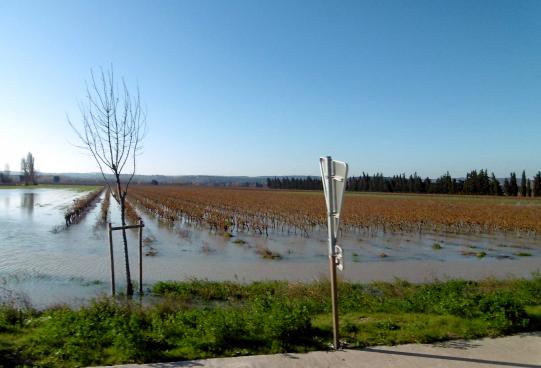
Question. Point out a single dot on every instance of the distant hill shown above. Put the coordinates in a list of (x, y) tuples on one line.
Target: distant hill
[(204, 180)]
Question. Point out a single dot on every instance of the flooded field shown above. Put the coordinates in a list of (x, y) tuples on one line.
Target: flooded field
[(47, 263)]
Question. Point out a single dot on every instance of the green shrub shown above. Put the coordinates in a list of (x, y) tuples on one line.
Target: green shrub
[(10, 318), (280, 322), (503, 311)]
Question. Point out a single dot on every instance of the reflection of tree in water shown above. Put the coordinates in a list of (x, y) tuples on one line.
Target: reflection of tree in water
[(27, 201)]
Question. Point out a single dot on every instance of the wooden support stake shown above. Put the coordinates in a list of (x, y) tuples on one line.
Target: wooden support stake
[(112, 260), (141, 256), (126, 227), (111, 229)]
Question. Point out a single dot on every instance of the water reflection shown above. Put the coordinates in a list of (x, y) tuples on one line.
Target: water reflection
[(27, 202), (6, 202)]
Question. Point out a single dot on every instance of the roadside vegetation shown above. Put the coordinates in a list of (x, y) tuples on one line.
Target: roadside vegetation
[(200, 319)]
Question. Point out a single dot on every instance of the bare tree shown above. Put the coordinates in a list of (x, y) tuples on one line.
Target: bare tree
[(31, 170), (24, 171), (27, 169), (113, 126)]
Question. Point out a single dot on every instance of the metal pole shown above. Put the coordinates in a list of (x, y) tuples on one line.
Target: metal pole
[(332, 255), (334, 294), (141, 257), (112, 260)]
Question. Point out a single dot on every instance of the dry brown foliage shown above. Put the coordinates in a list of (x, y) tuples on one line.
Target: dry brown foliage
[(262, 211)]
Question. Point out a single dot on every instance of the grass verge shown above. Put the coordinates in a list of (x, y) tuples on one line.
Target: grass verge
[(200, 319)]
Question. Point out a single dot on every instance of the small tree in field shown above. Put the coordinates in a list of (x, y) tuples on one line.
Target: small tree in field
[(27, 169), (113, 126)]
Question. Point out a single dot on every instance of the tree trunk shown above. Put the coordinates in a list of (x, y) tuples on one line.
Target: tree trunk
[(129, 287)]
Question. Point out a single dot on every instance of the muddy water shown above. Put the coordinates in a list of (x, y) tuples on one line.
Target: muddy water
[(47, 264)]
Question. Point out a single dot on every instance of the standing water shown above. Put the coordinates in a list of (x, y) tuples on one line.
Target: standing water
[(45, 262)]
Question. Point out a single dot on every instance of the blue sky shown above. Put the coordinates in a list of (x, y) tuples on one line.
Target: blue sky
[(266, 87)]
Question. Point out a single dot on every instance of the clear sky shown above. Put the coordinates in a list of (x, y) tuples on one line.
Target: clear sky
[(266, 87)]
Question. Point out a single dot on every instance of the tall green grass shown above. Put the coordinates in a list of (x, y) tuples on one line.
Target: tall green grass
[(199, 319)]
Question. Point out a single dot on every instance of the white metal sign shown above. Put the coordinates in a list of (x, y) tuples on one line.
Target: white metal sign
[(334, 176), (339, 176), (334, 197)]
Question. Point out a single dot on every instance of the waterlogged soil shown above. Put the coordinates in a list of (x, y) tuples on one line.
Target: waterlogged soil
[(45, 263)]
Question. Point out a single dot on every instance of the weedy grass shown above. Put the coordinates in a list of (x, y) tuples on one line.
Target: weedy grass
[(267, 253), (481, 254), (360, 329), (200, 319)]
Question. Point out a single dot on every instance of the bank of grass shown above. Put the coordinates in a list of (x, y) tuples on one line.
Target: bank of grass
[(200, 319)]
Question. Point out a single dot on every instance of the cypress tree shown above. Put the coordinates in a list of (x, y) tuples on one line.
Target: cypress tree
[(460, 186), (455, 188), (513, 186), (507, 187), (523, 188), (356, 184), (484, 182), (427, 184), (495, 187), (537, 184)]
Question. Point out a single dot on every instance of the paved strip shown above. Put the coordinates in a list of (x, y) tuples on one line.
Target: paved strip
[(523, 350)]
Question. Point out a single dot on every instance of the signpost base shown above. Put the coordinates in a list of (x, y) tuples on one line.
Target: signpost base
[(334, 298)]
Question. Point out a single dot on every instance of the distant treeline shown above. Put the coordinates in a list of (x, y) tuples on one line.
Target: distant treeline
[(476, 182)]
